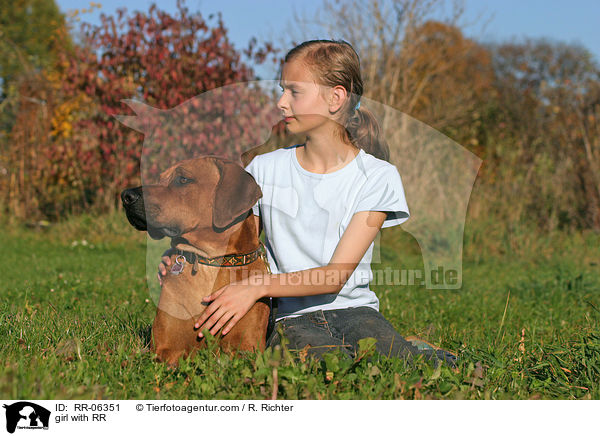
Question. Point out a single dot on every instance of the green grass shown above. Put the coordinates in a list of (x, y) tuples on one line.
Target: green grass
[(75, 319)]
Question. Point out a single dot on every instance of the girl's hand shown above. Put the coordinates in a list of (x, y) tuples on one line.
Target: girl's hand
[(229, 303), (165, 262)]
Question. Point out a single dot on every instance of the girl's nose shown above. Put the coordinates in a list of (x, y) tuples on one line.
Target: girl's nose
[(281, 103)]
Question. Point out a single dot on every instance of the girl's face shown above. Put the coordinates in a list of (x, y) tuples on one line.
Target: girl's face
[(303, 102)]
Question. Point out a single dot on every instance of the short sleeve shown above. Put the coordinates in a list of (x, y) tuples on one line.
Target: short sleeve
[(252, 168), (383, 191)]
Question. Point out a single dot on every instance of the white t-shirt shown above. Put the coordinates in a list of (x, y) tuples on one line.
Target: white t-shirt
[(304, 215)]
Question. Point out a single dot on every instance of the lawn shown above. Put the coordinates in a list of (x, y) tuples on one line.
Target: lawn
[(76, 312)]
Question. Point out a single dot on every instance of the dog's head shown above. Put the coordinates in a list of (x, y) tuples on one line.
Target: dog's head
[(203, 194)]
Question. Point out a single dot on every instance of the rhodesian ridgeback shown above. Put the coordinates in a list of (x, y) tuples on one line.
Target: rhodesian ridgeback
[(204, 206)]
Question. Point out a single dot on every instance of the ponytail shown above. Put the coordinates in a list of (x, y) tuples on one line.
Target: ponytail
[(362, 130)]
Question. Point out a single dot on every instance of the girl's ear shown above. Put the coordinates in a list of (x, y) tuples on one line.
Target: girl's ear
[(337, 97)]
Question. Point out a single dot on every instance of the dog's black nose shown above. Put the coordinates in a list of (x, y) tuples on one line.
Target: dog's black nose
[(130, 196)]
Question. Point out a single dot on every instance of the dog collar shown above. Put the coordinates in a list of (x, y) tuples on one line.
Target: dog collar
[(227, 260), (224, 261)]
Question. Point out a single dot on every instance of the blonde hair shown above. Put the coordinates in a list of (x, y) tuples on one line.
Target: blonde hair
[(336, 63)]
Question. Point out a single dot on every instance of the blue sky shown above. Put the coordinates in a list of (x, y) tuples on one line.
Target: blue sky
[(574, 21)]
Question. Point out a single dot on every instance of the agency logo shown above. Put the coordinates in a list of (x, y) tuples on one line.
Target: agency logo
[(427, 176), (26, 415)]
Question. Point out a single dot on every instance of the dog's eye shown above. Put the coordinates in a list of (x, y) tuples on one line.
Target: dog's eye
[(180, 180)]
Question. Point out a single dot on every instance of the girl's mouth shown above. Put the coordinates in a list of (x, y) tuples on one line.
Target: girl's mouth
[(288, 119)]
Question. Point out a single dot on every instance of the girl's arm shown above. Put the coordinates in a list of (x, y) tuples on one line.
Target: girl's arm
[(331, 278), (230, 303)]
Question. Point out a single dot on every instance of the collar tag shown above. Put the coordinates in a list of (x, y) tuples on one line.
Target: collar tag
[(179, 264)]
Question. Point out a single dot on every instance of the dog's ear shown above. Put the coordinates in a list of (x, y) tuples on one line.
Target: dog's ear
[(236, 193), (280, 137)]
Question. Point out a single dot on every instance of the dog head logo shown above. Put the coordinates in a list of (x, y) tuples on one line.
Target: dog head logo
[(26, 415), (437, 173)]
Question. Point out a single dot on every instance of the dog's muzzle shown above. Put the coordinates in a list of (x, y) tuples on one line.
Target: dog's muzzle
[(133, 203)]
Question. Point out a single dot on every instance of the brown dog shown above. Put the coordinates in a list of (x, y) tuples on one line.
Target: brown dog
[(204, 205)]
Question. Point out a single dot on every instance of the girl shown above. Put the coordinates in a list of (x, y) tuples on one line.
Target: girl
[(323, 204)]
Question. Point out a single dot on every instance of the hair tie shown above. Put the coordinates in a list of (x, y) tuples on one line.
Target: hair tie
[(357, 106)]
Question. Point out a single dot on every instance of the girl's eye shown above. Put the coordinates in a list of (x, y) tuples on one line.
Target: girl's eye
[(292, 91)]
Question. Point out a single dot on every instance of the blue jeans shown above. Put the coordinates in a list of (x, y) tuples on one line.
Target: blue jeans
[(327, 330)]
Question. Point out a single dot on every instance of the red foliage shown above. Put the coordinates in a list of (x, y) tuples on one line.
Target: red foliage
[(153, 57)]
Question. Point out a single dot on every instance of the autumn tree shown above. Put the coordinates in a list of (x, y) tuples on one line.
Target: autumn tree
[(70, 153), (421, 66), (544, 125), (28, 42)]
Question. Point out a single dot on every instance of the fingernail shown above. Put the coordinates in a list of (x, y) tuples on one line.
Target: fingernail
[(200, 335)]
